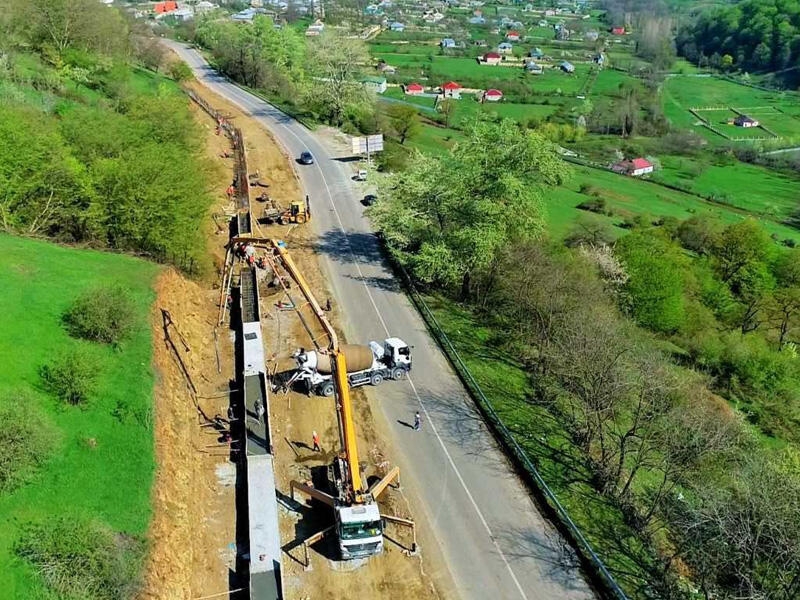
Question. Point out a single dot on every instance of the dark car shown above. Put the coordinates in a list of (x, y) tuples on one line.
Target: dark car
[(369, 200), (306, 158)]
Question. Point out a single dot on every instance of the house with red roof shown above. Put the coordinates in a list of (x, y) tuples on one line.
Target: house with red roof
[(165, 7), (618, 30), (491, 58), (492, 95), (512, 36), (451, 90), (633, 168), (412, 89)]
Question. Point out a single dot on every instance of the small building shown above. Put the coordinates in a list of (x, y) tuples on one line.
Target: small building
[(386, 69), (536, 53), (491, 58), (505, 48), (245, 16), (375, 84), (618, 30), (745, 121), (451, 90), (492, 95), (477, 21), (562, 34), (512, 36), (633, 168), (567, 67), (397, 26), (534, 68), (162, 8), (448, 43), (414, 89), (549, 13), (315, 29), (591, 35), (543, 23), (204, 6), (183, 14), (480, 43)]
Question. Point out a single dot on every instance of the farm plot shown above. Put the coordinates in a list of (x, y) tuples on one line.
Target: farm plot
[(718, 100)]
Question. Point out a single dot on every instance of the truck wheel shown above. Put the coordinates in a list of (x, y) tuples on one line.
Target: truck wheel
[(327, 389), (376, 379), (398, 373)]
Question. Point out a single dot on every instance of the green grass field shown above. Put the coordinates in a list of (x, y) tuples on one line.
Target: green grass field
[(628, 197), (776, 110), (111, 480)]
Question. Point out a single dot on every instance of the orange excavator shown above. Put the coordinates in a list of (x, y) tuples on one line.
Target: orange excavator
[(359, 525)]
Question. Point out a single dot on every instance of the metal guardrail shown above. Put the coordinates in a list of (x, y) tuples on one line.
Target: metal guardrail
[(510, 445)]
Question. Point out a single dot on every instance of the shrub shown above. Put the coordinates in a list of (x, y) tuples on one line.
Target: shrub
[(72, 376), (595, 205), (180, 71), (103, 314), (27, 439), (78, 558)]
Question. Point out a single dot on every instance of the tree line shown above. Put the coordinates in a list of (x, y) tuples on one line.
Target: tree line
[(757, 35), (92, 151), (666, 356)]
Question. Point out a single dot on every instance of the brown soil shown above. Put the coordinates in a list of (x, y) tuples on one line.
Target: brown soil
[(293, 416), (194, 516)]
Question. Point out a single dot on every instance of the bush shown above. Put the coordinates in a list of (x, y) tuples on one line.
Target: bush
[(27, 439), (595, 205), (71, 376), (180, 71), (78, 558), (103, 314)]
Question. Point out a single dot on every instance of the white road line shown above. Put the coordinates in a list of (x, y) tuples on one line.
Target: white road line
[(413, 387)]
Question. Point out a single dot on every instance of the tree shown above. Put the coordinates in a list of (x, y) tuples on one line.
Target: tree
[(335, 62), (448, 217), (447, 107), (739, 246), (655, 285), (180, 71), (405, 121), (699, 233)]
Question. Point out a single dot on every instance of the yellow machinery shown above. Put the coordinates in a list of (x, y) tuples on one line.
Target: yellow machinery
[(358, 522)]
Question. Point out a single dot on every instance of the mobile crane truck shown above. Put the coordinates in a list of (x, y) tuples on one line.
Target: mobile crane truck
[(358, 522)]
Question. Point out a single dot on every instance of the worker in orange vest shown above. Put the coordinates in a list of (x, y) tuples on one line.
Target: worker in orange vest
[(315, 441)]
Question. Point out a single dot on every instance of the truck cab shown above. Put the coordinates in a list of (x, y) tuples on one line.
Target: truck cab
[(360, 530), (397, 353)]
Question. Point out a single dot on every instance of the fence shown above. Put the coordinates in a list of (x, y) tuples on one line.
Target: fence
[(597, 568)]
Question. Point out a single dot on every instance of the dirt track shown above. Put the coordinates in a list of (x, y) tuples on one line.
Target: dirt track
[(194, 518)]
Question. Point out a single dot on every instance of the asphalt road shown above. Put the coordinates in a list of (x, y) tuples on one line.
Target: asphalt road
[(492, 537)]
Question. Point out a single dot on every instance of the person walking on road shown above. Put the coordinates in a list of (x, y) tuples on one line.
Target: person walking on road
[(417, 421), (315, 441)]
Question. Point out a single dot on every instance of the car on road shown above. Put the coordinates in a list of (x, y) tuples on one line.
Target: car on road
[(369, 200), (306, 158)]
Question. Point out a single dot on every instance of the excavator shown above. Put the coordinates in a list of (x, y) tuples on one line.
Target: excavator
[(358, 523)]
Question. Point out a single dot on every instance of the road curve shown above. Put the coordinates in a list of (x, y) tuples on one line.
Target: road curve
[(493, 539)]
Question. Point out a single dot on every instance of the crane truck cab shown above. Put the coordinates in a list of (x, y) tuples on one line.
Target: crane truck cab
[(360, 530)]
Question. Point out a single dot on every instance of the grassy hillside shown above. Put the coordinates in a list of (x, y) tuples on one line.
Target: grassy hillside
[(103, 465)]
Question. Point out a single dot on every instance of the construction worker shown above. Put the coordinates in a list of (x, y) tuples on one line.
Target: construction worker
[(315, 441), (328, 305), (417, 421)]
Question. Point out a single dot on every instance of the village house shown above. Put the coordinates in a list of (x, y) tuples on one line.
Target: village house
[(536, 53), (591, 36), (396, 26), (745, 121), (567, 67), (477, 21), (451, 90), (448, 43), (375, 84), (534, 68), (543, 23), (480, 43), (491, 58), (505, 48), (562, 34), (492, 95), (204, 6), (512, 36), (386, 69), (633, 168), (413, 89), (618, 30), (162, 8)]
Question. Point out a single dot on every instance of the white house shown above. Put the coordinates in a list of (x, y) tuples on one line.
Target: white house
[(505, 48)]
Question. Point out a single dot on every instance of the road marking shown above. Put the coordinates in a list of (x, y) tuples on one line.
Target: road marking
[(386, 329)]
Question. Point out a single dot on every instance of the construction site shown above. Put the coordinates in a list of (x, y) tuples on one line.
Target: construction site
[(291, 491)]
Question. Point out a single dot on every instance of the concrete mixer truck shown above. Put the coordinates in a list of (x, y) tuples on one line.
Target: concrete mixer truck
[(365, 364)]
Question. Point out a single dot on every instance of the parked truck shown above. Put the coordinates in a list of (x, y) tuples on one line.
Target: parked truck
[(369, 364)]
